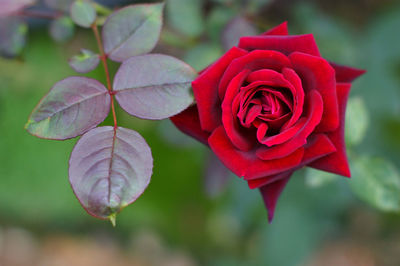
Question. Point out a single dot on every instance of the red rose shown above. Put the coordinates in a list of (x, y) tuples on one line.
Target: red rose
[(271, 106)]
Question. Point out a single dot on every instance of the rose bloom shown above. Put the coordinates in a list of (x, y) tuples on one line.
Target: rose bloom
[(271, 106)]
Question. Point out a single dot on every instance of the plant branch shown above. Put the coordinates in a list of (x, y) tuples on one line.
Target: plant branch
[(39, 14), (103, 58)]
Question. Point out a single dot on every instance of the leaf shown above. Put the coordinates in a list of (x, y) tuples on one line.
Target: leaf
[(12, 36), (83, 13), (377, 182), (133, 30), (84, 62), (9, 7), (236, 28), (357, 121), (316, 178), (154, 86), (62, 29), (185, 16), (72, 107), (109, 169)]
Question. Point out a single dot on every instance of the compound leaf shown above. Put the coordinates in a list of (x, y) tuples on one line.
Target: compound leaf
[(154, 86), (72, 107), (133, 30), (109, 169)]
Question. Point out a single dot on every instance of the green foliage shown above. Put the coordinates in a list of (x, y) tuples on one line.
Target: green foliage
[(62, 29), (186, 16), (83, 13), (376, 181), (357, 120)]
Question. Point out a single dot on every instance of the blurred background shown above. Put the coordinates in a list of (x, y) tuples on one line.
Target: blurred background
[(193, 213)]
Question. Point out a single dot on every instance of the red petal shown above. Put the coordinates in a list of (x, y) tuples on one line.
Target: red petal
[(284, 135), (313, 116), (247, 164), (284, 44), (238, 135), (337, 162), (188, 122), (345, 73), (271, 193), (205, 89), (281, 29), (298, 95), (253, 61), (318, 146), (316, 73), (259, 182)]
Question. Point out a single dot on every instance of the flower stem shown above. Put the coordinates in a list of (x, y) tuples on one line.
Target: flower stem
[(39, 14), (103, 58)]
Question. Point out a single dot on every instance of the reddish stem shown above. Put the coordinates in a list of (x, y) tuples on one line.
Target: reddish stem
[(39, 14), (103, 58)]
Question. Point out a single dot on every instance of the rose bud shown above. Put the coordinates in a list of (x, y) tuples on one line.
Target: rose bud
[(270, 106)]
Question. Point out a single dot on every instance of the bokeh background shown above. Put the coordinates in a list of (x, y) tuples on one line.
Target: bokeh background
[(192, 212)]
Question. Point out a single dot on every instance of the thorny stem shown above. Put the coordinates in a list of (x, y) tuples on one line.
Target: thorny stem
[(103, 58)]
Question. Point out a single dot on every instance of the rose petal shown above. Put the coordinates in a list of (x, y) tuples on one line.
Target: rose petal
[(345, 73), (298, 95), (188, 122), (242, 138), (253, 61), (337, 162), (205, 89), (313, 116), (271, 193), (284, 44), (318, 145), (247, 164), (281, 29), (284, 135), (317, 73)]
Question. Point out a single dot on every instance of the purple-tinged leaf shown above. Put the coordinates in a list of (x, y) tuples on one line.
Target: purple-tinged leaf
[(109, 169), (9, 7), (84, 62), (12, 36), (154, 86), (62, 29), (236, 28), (83, 13), (133, 30), (216, 176), (72, 107)]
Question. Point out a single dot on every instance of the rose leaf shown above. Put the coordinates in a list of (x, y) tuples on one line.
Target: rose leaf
[(12, 36), (72, 107), (377, 182), (154, 86), (357, 121), (83, 13), (133, 30), (84, 62), (62, 29), (109, 169)]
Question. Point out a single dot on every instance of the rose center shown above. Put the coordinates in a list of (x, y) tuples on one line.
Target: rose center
[(265, 105)]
